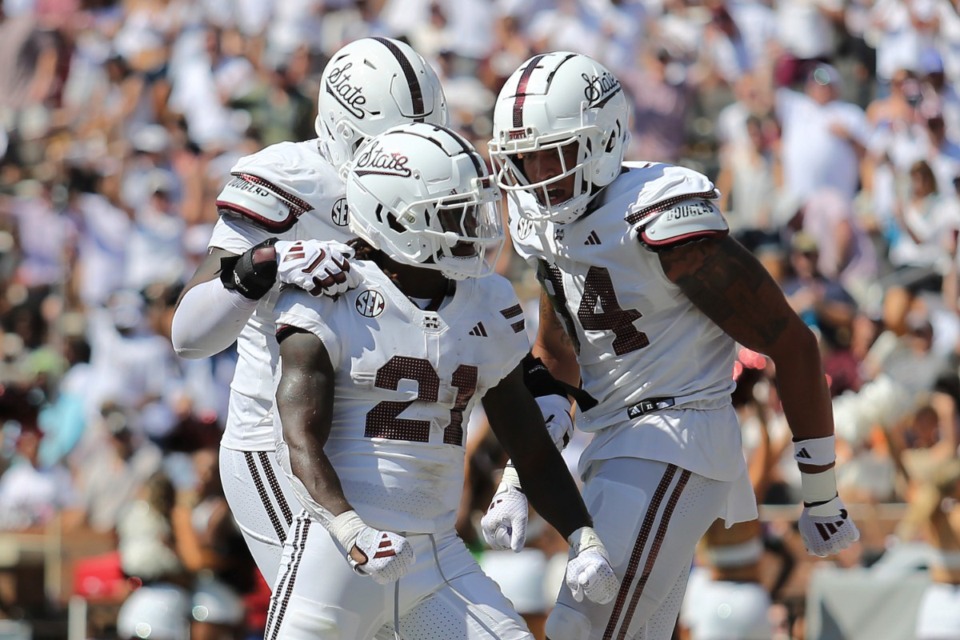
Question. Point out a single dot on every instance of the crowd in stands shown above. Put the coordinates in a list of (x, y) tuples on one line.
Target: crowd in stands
[(831, 127)]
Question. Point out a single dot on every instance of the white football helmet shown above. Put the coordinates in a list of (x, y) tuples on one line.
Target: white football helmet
[(565, 104), (370, 85), (423, 195)]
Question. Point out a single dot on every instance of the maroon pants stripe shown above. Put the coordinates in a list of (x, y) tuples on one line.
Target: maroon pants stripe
[(638, 547), (654, 551)]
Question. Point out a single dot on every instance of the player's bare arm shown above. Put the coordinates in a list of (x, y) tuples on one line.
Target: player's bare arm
[(517, 422), (730, 286), (554, 346), (305, 405)]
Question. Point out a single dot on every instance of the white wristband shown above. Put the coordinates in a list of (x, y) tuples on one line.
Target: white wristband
[(345, 528), (816, 451), (583, 538), (510, 477), (818, 487)]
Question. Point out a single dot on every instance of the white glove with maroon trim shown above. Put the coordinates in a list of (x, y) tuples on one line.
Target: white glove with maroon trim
[(320, 267), (389, 555)]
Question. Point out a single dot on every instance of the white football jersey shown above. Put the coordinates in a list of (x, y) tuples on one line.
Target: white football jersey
[(637, 336), (288, 191), (406, 381)]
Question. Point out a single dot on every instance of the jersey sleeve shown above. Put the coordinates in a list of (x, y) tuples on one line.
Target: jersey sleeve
[(236, 235), (298, 309), (271, 188), (688, 220)]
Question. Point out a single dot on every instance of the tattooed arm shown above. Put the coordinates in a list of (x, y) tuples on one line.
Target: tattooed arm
[(732, 288), (554, 346)]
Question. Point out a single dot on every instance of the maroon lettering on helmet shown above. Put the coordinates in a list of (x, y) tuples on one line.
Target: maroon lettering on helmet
[(516, 134), (350, 96), (600, 88), (377, 161)]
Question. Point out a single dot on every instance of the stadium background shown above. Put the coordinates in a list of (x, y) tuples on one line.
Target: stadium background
[(120, 119)]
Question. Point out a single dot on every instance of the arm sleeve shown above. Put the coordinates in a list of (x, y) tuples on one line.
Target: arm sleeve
[(209, 319)]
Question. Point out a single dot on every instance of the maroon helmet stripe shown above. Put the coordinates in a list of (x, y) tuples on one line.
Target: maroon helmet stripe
[(416, 92), (654, 551), (637, 553), (521, 94)]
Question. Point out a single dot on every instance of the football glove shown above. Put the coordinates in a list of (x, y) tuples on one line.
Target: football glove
[(826, 528), (588, 570), (824, 525), (504, 525), (389, 555), (317, 266), (556, 415), (252, 273)]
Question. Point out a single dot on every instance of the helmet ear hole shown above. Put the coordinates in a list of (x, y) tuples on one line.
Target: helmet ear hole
[(395, 224)]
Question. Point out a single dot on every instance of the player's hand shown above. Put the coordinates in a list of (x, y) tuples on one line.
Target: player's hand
[(588, 570), (321, 267), (556, 415), (385, 556), (504, 525), (388, 555), (827, 529)]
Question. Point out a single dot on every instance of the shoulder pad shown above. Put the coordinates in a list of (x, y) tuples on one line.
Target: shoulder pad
[(663, 186), (255, 199), (690, 219), (275, 186)]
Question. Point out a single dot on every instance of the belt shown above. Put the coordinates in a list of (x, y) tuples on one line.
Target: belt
[(648, 405)]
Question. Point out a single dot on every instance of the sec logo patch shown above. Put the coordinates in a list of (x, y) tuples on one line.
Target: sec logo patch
[(340, 215), (370, 303)]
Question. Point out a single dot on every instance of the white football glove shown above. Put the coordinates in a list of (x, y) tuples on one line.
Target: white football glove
[(389, 555), (588, 570), (317, 266), (504, 525), (556, 415), (824, 525), (826, 529)]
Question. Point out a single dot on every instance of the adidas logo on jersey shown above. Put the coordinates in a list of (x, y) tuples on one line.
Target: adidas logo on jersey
[(593, 238), (479, 330)]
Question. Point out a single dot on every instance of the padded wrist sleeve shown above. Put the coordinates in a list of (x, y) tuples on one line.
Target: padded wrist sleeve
[(209, 319)]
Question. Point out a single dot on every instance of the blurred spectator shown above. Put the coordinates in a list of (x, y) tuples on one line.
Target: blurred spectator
[(155, 245), (823, 137), (661, 98), (901, 32), (161, 606), (845, 251), (32, 495), (820, 301), (112, 467), (806, 35), (748, 181), (211, 547), (918, 252)]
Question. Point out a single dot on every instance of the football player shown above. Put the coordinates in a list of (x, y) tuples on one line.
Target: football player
[(644, 296), (374, 392), (277, 202)]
